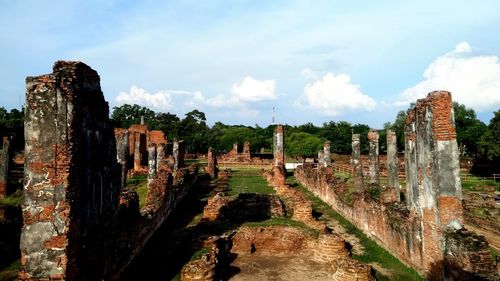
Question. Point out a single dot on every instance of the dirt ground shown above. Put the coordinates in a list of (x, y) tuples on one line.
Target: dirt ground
[(264, 267)]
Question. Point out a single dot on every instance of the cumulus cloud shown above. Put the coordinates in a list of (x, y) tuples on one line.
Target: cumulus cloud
[(249, 90), (161, 100), (332, 95), (254, 90), (473, 80)]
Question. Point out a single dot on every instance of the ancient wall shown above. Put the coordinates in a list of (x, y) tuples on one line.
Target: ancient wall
[(426, 233), (4, 166), (79, 223), (71, 178)]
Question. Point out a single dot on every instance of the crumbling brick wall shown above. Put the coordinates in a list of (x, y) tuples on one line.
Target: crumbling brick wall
[(427, 233), (71, 184), (79, 223)]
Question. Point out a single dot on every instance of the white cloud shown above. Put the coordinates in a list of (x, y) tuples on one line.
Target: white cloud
[(254, 90), (472, 80), (162, 100), (332, 95), (249, 90)]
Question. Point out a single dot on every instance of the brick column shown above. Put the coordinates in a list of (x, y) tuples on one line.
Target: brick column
[(4, 166), (122, 149), (327, 154), (137, 151), (433, 181), (175, 154), (71, 176), (279, 169), (160, 155), (212, 168), (373, 165), (151, 162), (392, 163), (356, 163), (279, 146)]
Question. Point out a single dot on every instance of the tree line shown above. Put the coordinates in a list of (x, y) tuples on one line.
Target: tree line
[(474, 138)]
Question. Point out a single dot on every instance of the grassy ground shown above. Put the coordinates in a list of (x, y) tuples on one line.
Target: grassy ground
[(140, 184), (372, 251), (248, 181)]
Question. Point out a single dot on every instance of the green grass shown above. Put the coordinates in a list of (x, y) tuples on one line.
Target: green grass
[(13, 200), (248, 181), (372, 251), (140, 184)]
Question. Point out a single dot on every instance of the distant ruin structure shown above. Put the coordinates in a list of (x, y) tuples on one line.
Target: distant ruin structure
[(356, 164), (212, 168), (279, 156), (373, 158), (393, 164), (327, 157)]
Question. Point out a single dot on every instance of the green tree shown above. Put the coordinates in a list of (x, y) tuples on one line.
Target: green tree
[(489, 144), (302, 144), (126, 115), (168, 123), (12, 124), (195, 132), (469, 129)]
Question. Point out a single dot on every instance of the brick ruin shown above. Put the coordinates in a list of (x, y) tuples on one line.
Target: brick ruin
[(80, 223), (233, 156), (426, 231), (4, 166)]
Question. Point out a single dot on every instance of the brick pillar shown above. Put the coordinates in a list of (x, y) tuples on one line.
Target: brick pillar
[(122, 149), (175, 154), (279, 146), (327, 154), (4, 166), (321, 158), (279, 169), (235, 148), (392, 163), (246, 148), (373, 165), (212, 168), (182, 153), (137, 151), (151, 162), (433, 182), (71, 176), (356, 163), (160, 155)]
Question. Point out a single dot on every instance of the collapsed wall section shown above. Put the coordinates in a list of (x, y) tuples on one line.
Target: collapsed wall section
[(71, 178)]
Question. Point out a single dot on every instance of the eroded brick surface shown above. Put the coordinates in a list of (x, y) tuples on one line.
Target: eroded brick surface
[(71, 180)]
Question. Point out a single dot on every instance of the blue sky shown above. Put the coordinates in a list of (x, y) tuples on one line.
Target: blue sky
[(314, 61)]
